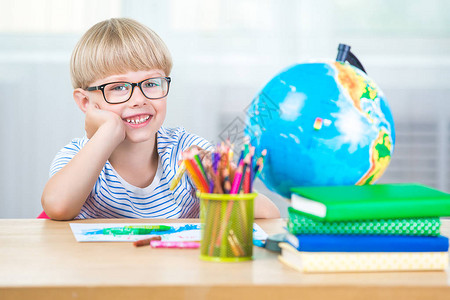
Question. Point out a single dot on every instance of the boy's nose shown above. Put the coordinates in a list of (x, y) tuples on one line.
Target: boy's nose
[(137, 98)]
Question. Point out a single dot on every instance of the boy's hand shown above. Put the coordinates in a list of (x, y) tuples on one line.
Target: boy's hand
[(97, 118)]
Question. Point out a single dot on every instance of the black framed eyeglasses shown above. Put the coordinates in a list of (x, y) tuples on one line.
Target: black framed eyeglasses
[(121, 91)]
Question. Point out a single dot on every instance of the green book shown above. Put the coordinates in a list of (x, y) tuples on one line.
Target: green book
[(300, 224), (366, 202)]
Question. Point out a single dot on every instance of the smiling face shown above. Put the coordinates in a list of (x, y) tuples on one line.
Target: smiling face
[(142, 117)]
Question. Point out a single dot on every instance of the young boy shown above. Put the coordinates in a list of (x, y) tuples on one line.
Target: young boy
[(124, 167)]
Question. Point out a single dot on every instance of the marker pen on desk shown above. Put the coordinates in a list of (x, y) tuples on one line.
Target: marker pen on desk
[(259, 243), (179, 245)]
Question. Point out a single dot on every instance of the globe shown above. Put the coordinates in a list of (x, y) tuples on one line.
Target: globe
[(322, 123)]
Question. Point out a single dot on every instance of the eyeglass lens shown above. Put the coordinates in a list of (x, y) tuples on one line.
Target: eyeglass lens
[(152, 88)]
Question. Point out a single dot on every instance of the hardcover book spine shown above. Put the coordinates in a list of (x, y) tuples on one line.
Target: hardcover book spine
[(300, 224), (368, 243), (351, 262), (388, 201)]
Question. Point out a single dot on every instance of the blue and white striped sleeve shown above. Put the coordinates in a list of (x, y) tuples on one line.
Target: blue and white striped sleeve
[(64, 155)]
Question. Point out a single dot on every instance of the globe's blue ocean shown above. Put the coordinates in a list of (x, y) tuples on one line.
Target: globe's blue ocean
[(322, 124)]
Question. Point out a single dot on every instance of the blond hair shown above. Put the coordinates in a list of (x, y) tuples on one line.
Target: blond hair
[(117, 46)]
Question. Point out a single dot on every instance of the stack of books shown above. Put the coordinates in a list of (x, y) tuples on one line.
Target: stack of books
[(384, 227)]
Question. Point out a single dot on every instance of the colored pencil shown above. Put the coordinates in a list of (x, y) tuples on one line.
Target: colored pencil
[(176, 179), (237, 179), (146, 242), (216, 172)]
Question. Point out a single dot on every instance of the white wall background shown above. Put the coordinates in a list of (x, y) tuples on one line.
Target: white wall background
[(224, 52)]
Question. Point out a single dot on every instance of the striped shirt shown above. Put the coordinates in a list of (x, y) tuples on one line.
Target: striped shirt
[(113, 197)]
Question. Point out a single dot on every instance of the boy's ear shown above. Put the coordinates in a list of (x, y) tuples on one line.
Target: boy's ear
[(82, 100)]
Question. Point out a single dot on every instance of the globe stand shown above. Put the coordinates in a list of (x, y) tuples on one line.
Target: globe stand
[(344, 54)]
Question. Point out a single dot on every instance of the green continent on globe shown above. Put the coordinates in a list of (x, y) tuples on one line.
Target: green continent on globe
[(363, 90), (380, 156)]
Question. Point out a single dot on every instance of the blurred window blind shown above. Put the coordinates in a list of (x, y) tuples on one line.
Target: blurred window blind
[(224, 52), (54, 16)]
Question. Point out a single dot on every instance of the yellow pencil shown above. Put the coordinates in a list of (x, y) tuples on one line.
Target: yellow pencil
[(233, 247), (178, 176), (234, 242)]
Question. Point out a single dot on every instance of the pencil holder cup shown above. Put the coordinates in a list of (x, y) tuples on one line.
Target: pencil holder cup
[(227, 227)]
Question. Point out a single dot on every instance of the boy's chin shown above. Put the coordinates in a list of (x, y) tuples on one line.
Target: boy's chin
[(140, 138)]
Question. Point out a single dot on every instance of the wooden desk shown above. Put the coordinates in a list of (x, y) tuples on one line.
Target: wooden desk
[(40, 259)]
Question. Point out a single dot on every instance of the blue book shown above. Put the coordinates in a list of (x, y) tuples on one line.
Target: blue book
[(368, 243)]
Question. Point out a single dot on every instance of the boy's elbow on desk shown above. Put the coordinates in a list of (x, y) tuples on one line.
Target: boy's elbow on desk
[(56, 209)]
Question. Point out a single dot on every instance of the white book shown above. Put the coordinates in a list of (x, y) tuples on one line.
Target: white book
[(325, 262)]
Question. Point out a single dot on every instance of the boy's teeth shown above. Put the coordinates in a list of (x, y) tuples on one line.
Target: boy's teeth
[(138, 120)]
